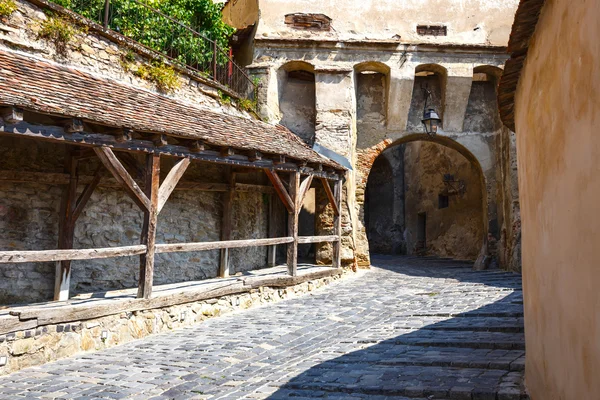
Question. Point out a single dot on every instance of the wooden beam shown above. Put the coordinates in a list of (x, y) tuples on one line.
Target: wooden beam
[(226, 223), (227, 151), (74, 126), (302, 192), (112, 163), (196, 146), (292, 250), (124, 135), (149, 227), (56, 134), (336, 257), (171, 181), (11, 115), (160, 140), (254, 156), (280, 190), (27, 256), (330, 196), (278, 159), (66, 228), (87, 193), (318, 239), (223, 244)]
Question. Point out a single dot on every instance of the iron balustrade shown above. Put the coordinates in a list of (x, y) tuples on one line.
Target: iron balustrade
[(176, 41)]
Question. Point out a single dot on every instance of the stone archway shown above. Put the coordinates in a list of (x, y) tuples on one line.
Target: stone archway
[(365, 161)]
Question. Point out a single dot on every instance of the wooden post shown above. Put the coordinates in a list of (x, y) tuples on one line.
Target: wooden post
[(151, 189), (337, 226), (66, 228), (226, 224), (272, 250), (292, 250)]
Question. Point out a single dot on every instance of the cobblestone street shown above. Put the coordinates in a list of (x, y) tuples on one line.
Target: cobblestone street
[(408, 328)]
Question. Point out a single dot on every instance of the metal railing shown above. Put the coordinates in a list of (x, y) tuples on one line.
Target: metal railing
[(162, 33)]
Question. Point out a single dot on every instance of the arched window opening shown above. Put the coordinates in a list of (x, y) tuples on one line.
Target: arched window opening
[(297, 99), (482, 109), (429, 87)]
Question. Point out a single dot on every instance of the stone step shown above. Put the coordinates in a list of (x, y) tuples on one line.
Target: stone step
[(463, 339), (481, 324), (391, 354), (414, 382)]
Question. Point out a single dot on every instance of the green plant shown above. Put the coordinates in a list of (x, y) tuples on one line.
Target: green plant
[(248, 105), (141, 24), (59, 32), (163, 76), (224, 97), (7, 7)]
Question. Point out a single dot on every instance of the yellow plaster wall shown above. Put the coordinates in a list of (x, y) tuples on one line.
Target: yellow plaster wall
[(558, 131)]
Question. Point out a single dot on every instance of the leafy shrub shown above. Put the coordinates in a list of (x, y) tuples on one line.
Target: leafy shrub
[(165, 77), (59, 32), (7, 7), (158, 32)]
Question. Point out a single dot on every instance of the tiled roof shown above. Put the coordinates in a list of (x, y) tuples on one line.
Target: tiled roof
[(58, 90), (526, 19)]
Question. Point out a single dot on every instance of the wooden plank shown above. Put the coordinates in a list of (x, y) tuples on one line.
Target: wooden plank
[(96, 308), (292, 250), (171, 181), (10, 323), (336, 259), (66, 227), (302, 192), (149, 228), (330, 196), (25, 256), (317, 239), (87, 193), (89, 139), (226, 223), (223, 244), (112, 163), (280, 190)]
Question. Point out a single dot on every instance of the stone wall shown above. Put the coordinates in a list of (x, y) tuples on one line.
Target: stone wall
[(456, 231), (30, 222)]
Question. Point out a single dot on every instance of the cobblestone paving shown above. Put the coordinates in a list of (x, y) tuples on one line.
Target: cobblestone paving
[(409, 328)]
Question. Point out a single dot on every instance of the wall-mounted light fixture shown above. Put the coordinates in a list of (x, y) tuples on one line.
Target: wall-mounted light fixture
[(431, 120)]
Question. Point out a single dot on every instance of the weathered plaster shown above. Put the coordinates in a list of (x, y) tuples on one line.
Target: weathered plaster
[(557, 119)]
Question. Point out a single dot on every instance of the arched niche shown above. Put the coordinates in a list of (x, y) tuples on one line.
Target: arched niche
[(482, 113), (297, 105), (371, 82), (433, 78)]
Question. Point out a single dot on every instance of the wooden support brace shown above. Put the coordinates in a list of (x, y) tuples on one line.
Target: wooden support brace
[(302, 192), (292, 250), (272, 250), (149, 227), (171, 181), (87, 193), (330, 196), (226, 223), (254, 156), (227, 152), (280, 190), (112, 163), (196, 146)]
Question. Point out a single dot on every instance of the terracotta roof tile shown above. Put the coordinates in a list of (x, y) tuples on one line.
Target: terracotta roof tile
[(53, 89)]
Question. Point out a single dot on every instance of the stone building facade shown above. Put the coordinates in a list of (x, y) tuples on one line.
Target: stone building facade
[(352, 77)]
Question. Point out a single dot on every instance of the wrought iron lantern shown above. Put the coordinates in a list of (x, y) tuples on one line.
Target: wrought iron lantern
[(431, 120)]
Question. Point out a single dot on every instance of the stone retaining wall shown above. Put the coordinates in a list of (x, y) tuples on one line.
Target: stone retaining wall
[(37, 346)]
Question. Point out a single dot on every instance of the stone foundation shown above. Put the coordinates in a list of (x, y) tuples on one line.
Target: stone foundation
[(35, 346)]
